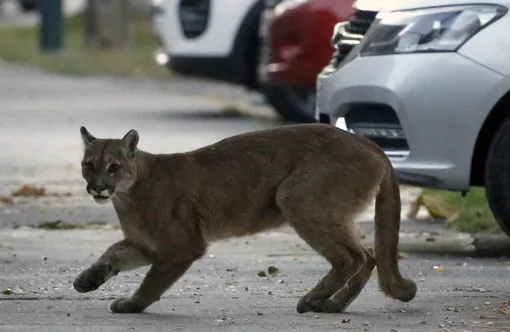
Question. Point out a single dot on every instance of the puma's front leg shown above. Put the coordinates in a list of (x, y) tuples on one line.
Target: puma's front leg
[(121, 256), (165, 271)]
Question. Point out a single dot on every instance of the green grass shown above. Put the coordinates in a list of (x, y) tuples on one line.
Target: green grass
[(21, 45), (474, 212)]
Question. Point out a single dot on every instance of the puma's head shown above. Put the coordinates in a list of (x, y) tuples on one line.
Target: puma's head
[(108, 165)]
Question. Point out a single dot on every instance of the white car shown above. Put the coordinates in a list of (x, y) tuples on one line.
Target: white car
[(429, 81), (214, 39)]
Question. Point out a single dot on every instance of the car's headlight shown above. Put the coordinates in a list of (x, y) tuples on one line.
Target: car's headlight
[(440, 29)]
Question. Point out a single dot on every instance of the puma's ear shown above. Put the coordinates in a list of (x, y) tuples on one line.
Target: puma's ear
[(86, 136), (130, 141)]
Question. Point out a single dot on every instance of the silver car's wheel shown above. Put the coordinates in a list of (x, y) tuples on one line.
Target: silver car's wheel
[(497, 177)]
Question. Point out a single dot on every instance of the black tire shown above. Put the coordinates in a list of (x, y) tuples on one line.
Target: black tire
[(28, 5), (293, 104), (497, 177)]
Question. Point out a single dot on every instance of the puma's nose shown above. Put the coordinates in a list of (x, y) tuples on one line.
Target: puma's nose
[(97, 190)]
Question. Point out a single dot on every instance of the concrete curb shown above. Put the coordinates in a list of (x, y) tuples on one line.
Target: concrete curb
[(458, 244)]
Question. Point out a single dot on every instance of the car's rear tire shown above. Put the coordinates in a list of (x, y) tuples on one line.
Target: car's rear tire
[(28, 5), (293, 104), (497, 176)]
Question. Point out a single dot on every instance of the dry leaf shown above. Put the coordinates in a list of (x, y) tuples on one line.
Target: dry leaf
[(29, 191), (505, 308), (6, 200), (272, 270)]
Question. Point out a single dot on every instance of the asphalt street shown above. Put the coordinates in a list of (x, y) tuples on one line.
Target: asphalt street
[(40, 116)]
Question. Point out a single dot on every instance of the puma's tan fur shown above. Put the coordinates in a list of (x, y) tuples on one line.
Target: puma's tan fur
[(315, 178)]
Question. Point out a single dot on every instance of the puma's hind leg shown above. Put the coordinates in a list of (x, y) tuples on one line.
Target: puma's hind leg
[(347, 260), (321, 211), (339, 301)]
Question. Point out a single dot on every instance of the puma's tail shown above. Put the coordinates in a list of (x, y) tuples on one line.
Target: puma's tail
[(387, 227)]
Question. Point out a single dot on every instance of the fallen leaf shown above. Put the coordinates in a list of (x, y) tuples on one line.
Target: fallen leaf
[(29, 191), (7, 291), (6, 200), (436, 208), (272, 270), (505, 308)]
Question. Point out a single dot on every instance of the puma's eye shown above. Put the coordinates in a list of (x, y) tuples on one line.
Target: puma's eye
[(113, 168), (88, 165)]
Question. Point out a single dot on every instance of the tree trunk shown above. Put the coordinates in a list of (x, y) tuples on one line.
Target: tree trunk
[(107, 24)]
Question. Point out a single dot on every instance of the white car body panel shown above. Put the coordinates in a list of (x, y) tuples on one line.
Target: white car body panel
[(218, 39)]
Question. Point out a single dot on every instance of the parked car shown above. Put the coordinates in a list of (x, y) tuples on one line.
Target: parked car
[(429, 82), (295, 47), (213, 39), (26, 5)]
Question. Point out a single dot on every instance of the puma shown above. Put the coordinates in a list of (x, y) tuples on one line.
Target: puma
[(314, 177)]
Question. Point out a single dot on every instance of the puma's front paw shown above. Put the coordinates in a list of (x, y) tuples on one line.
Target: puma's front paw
[(90, 279), (306, 304), (125, 306)]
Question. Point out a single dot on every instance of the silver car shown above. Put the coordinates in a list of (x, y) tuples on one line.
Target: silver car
[(429, 82)]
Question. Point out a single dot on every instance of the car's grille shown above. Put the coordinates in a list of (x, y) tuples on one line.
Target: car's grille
[(349, 34), (194, 17)]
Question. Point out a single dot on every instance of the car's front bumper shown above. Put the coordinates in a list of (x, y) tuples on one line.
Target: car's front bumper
[(424, 110)]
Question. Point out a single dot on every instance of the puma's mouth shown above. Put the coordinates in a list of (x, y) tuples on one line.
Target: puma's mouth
[(99, 199)]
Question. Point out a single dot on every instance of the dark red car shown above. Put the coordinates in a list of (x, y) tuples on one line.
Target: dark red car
[(296, 45)]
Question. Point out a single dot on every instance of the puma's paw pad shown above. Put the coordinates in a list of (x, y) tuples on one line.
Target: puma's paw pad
[(90, 279), (124, 306)]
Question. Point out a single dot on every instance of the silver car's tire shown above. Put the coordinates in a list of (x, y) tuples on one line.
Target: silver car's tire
[(497, 177)]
